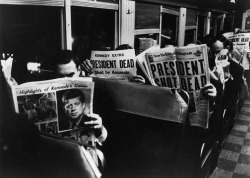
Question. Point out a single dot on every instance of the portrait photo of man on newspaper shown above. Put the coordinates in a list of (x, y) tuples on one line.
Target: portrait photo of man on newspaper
[(74, 108)]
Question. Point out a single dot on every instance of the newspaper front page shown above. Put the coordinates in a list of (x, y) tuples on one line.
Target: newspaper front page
[(60, 107), (118, 64), (241, 41), (185, 68), (47, 104)]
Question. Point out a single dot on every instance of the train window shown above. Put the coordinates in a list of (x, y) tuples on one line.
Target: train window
[(228, 24), (190, 36), (220, 22), (201, 32), (212, 25), (191, 27), (216, 23), (147, 16), (147, 26), (92, 29), (169, 27), (31, 33), (191, 19)]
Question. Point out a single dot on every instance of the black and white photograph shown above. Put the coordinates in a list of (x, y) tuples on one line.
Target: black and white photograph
[(74, 106), (39, 108), (125, 88)]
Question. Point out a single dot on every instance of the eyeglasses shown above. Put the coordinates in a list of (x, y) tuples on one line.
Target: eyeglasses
[(214, 53)]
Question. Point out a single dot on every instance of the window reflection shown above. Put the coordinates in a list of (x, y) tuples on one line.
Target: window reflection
[(92, 29), (31, 33), (169, 29), (201, 30), (189, 37), (147, 16)]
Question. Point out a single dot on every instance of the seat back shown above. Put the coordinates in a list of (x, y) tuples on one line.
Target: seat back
[(145, 128)]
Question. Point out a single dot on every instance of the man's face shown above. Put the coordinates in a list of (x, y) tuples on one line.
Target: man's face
[(74, 108), (216, 48), (67, 70)]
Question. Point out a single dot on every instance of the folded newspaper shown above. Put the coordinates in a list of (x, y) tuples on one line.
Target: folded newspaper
[(185, 68)]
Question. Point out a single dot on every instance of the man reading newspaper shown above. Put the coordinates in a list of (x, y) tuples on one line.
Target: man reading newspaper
[(117, 64), (65, 64), (185, 68)]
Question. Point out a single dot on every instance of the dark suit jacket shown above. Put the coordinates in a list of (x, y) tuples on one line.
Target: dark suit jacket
[(64, 124)]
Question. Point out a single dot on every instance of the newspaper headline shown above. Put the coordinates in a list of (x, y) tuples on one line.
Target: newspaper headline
[(114, 64), (185, 68)]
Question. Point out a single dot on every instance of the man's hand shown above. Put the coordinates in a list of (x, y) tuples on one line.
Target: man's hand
[(95, 121), (137, 79), (209, 90), (87, 67)]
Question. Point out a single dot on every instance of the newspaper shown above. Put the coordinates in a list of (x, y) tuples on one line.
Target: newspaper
[(45, 103), (141, 61), (185, 68), (118, 64), (241, 41), (54, 106)]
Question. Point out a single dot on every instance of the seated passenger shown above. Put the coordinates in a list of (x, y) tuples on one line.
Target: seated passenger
[(87, 67), (65, 64), (234, 71)]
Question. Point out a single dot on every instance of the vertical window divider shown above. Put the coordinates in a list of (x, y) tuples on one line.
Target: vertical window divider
[(62, 25), (207, 24), (68, 24), (161, 11), (182, 24), (126, 22), (196, 30), (116, 30), (222, 22)]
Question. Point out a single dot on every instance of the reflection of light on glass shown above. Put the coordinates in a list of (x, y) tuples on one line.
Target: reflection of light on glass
[(72, 40), (232, 1), (33, 66)]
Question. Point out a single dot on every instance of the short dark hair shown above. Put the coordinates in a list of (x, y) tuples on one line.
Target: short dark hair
[(73, 93), (64, 57), (123, 47)]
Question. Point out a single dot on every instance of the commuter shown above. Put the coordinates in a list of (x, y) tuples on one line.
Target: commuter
[(219, 50), (65, 64), (86, 66)]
